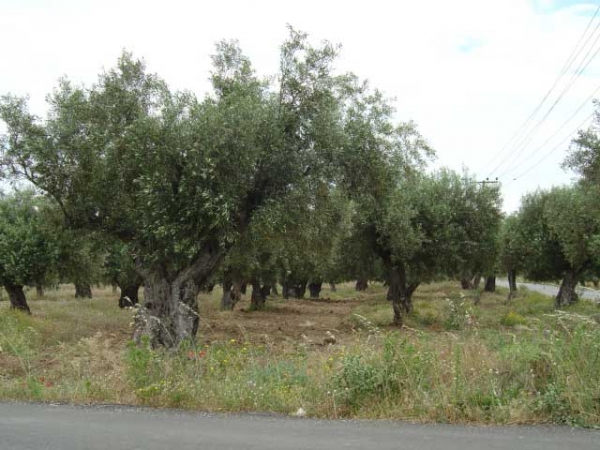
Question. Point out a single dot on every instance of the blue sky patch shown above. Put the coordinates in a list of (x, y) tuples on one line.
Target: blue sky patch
[(550, 6)]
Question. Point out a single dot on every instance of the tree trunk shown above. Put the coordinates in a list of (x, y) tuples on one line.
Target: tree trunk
[(300, 289), (243, 288), (83, 290), (114, 288), (39, 290), (17, 297), (566, 294), (410, 290), (394, 294), (332, 287), (476, 281), (232, 294), (129, 294), (274, 290), (490, 284), (294, 288), (257, 300), (512, 284), (227, 301), (170, 312), (232, 290), (315, 288), (399, 292), (265, 290), (465, 283), (362, 284)]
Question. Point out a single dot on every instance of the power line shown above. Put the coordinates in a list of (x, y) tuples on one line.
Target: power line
[(580, 69), (514, 165), (574, 54), (547, 155), (520, 147)]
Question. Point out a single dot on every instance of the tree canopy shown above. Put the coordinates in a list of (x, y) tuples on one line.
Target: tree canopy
[(180, 178), (29, 244)]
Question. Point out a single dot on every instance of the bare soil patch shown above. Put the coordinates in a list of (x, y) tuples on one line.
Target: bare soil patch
[(283, 321)]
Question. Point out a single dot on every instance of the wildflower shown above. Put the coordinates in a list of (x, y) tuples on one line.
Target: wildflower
[(201, 354), (233, 341)]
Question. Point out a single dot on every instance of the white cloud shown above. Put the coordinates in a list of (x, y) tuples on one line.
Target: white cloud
[(468, 103)]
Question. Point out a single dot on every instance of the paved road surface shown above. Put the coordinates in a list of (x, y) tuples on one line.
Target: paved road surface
[(51, 427), (552, 290)]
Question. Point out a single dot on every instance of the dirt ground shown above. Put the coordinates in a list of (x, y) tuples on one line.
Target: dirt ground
[(283, 321)]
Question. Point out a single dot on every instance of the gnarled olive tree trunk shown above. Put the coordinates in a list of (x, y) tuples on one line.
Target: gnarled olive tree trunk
[(265, 290), (232, 294), (315, 288), (130, 294), (566, 294), (400, 292), (490, 284), (83, 290), (295, 289), (17, 297), (361, 284), (233, 288), (169, 313), (300, 289), (257, 299)]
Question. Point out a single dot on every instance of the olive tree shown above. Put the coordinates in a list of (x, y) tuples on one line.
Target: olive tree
[(435, 226), (584, 154), (28, 245), (560, 231), (119, 270), (511, 251), (178, 178)]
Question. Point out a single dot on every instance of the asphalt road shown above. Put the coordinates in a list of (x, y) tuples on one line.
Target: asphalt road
[(53, 427), (552, 290)]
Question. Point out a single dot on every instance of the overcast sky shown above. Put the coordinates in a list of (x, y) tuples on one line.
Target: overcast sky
[(468, 72)]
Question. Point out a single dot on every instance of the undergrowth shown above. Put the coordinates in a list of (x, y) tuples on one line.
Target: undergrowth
[(454, 361)]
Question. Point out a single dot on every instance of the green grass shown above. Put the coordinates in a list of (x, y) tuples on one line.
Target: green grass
[(454, 361)]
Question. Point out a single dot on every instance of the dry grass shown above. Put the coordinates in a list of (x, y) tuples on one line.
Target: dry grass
[(453, 361)]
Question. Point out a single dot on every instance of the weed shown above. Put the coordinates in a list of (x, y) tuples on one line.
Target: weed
[(511, 318)]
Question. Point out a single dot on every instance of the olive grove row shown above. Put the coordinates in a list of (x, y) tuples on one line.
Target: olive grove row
[(297, 179)]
